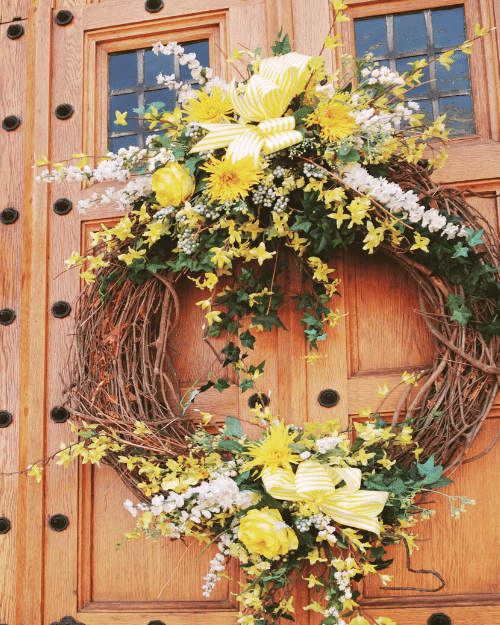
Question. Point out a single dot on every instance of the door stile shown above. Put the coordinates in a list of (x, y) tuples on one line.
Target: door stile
[(30, 551), (13, 55)]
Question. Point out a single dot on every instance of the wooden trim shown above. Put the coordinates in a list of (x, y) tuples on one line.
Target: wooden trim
[(114, 13), (31, 526), (98, 44), (435, 600), (177, 607), (173, 618)]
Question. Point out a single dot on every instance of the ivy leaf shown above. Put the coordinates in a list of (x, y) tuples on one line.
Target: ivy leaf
[(178, 151), (490, 327), (231, 446), (247, 339), (246, 384), (460, 250), (475, 238), (221, 384), (462, 315), (192, 162), (206, 386), (268, 322), (233, 427), (283, 46)]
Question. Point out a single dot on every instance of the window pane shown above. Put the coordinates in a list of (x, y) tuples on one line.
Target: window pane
[(402, 66), (409, 32), (459, 115), (166, 96), (154, 65), (122, 71), (457, 77), (371, 36), (430, 32), (122, 103), (116, 143), (448, 27)]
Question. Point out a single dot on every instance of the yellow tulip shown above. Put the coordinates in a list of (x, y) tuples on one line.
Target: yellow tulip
[(263, 532)]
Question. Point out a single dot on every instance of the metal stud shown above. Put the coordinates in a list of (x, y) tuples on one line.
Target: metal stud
[(328, 398), (258, 398), (60, 309), (153, 6), (4, 525), (58, 522), (64, 111), (11, 122), (63, 18), (439, 618), (59, 414), (62, 206), (7, 316), (9, 215), (14, 31), (5, 419)]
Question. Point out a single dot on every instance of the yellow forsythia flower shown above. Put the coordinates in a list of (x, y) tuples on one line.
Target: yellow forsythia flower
[(172, 184)]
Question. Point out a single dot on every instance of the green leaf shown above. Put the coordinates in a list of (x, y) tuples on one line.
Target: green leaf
[(246, 384), (233, 427), (301, 113), (490, 327), (192, 162), (281, 46), (231, 446), (247, 339), (178, 151), (221, 384), (460, 250), (350, 157), (475, 238), (462, 315)]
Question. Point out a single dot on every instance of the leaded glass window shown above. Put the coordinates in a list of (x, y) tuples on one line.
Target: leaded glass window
[(399, 39), (132, 84)]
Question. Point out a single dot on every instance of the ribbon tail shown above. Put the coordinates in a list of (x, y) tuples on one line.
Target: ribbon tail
[(359, 510), (280, 484)]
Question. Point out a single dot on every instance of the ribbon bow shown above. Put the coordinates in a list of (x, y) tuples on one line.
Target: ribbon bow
[(317, 483), (265, 100)]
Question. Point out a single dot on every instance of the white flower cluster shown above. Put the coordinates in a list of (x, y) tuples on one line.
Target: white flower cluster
[(343, 582), (327, 529), (221, 493), (327, 443), (371, 122), (397, 201), (217, 565), (202, 75), (134, 189), (382, 76)]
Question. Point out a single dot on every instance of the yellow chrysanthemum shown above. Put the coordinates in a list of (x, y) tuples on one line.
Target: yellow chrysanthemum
[(274, 451), (230, 179), (209, 108), (334, 120)]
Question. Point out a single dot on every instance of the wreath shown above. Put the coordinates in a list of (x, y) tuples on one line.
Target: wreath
[(289, 165)]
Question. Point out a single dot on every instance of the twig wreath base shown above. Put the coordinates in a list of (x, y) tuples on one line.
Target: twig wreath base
[(122, 372)]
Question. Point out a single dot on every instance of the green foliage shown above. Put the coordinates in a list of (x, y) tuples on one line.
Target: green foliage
[(281, 45)]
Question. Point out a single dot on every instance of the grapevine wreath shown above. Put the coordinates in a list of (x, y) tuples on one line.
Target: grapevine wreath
[(289, 165)]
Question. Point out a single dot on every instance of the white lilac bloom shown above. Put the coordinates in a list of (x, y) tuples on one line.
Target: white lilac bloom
[(397, 201)]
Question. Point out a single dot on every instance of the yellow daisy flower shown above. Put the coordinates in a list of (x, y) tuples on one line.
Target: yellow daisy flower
[(209, 109), (230, 179), (334, 120), (274, 451)]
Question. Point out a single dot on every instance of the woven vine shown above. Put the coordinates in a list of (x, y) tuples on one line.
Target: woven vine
[(121, 371)]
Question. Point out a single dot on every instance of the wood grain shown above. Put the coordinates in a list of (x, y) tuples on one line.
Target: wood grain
[(112, 13), (31, 522), (13, 56)]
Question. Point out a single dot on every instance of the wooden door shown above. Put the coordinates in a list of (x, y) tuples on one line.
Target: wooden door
[(77, 571)]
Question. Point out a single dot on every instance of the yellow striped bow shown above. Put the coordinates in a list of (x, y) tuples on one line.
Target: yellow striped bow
[(316, 483), (266, 98)]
